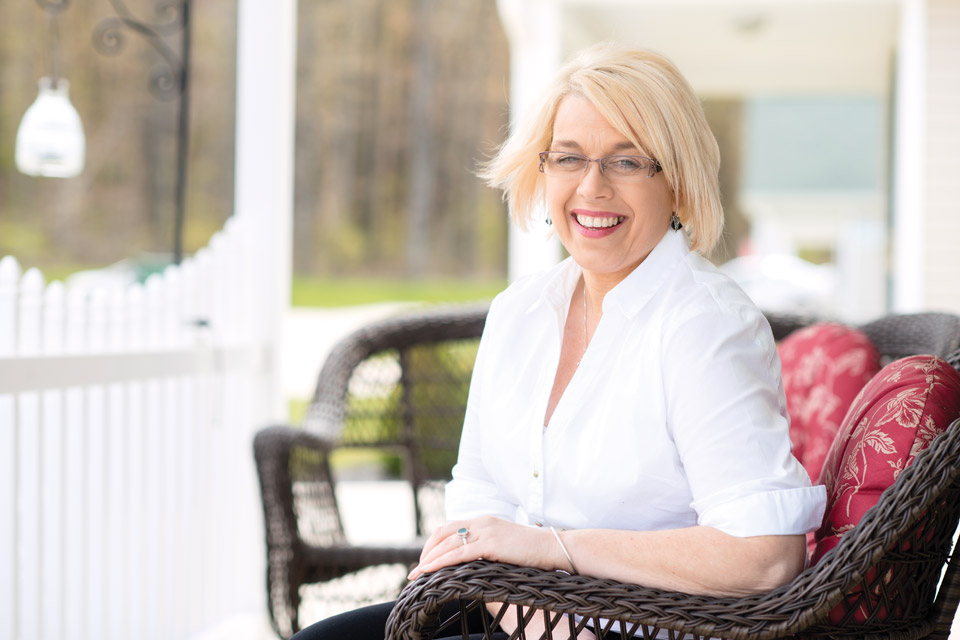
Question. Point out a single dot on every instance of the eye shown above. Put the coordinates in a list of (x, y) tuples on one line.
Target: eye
[(567, 161), (627, 164)]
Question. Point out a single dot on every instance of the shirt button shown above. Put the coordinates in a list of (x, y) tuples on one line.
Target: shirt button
[(536, 474)]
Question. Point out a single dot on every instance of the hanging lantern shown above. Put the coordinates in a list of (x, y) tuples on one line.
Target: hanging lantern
[(50, 141)]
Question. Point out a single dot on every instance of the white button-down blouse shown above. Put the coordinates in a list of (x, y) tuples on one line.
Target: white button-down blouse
[(675, 417)]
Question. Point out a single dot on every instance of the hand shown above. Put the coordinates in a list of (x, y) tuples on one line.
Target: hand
[(488, 538)]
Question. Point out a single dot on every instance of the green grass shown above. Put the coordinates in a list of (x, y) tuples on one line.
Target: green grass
[(344, 292)]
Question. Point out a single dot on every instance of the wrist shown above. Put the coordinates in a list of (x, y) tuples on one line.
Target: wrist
[(566, 561)]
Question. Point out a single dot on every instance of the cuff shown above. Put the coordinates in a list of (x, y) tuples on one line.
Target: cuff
[(765, 513)]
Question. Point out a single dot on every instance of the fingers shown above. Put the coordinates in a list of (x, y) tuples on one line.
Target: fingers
[(446, 547), (435, 538), (486, 537), (442, 534)]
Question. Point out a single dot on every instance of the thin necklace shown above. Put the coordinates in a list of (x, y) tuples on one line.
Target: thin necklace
[(584, 352)]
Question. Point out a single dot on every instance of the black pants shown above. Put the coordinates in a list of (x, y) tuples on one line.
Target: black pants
[(369, 623)]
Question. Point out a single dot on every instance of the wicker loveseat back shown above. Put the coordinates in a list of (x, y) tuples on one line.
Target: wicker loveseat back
[(397, 387), (401, 385)]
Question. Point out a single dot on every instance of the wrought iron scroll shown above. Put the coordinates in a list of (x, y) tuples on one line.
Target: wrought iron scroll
[(167, 81)]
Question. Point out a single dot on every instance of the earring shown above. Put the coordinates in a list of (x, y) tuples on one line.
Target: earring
[(549, 222), (675, 223)]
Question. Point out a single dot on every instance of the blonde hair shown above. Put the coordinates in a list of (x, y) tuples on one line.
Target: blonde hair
[(645, 98)]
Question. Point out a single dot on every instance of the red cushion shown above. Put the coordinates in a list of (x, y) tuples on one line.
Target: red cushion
[(898, 413), (824, 368)]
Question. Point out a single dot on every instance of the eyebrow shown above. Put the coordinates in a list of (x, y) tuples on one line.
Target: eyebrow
[(626, 145)]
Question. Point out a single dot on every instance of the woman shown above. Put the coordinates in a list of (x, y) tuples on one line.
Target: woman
[(626, 417)]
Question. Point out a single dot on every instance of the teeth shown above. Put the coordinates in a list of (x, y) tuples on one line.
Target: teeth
[(598, 223)]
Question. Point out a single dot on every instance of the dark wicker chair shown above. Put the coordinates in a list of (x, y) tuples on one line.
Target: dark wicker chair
[(897, 553), (398, 386)]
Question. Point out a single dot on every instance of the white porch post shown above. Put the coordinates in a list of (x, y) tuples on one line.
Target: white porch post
[(266, 102), (941, 264), (926, 267), (908, 232), (266, 80), (533, 30)]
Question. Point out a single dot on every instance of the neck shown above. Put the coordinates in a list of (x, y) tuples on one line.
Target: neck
[(595, 288), (593, 293)]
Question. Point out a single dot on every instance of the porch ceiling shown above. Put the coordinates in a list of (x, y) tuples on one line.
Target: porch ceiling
[(751, 47)]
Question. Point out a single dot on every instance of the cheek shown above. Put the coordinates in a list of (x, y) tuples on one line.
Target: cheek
[(658, 201), (556, 198)]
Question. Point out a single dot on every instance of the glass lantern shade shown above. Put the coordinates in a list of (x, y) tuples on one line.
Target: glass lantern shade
[(50, 141)]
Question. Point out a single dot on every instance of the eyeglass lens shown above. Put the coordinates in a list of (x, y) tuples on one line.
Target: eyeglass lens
[(615, 167)]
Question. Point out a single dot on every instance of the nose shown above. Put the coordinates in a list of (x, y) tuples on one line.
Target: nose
[(594, 183)]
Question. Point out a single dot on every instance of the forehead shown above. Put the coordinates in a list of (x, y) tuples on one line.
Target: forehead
[(579, 125)]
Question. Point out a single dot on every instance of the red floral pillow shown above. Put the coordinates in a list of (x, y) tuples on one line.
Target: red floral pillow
[(896, 416), (824, 367)]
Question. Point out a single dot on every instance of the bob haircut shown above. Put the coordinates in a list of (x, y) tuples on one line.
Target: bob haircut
[(644, 97)]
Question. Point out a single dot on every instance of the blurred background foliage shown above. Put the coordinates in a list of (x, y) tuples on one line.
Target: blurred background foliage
[(122, 205), (397, 102)]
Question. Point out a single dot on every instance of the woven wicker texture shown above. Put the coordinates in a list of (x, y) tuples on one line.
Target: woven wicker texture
[(884, 571), (399, 386)]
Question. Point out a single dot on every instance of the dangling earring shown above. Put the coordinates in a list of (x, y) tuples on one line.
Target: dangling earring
[(549, 222), (675, 223)]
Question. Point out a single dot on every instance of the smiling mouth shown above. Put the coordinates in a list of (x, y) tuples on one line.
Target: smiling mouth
[(594, 222)]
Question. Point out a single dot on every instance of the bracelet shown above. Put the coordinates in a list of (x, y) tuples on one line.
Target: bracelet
[(564, 549)]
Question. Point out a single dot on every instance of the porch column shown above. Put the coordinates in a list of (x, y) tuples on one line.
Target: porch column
[(266, 105), (266, 73), (533, 30), (926, 224)]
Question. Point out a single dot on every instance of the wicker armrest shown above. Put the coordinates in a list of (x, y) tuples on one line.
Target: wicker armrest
[(272, 448), (305, 540), (923, 504)]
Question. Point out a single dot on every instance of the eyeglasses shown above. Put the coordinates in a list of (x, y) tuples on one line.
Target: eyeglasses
[(562, 164)]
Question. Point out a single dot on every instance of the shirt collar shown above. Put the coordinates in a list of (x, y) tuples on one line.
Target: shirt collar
[(632, 293), (558, 289), (639, 287)]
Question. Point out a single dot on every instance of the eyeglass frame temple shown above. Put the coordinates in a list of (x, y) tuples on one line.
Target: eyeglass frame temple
[(655, 164)]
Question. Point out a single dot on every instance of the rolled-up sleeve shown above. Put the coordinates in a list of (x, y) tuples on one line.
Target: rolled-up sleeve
[(727, 415)]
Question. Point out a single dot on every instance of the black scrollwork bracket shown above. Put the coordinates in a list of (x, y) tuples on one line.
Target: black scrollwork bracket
[(109, 37), (167, 81)]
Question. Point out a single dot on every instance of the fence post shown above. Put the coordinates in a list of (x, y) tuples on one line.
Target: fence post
[(95, 461), (118, 467), (52, 574), (75, 612), (31, 477), (9, 285), (134, 412)]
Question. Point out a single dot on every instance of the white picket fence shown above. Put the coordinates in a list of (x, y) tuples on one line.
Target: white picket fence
[(128, 496)]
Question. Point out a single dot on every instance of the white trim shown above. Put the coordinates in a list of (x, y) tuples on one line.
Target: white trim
[(533, 28), (909, 163)]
